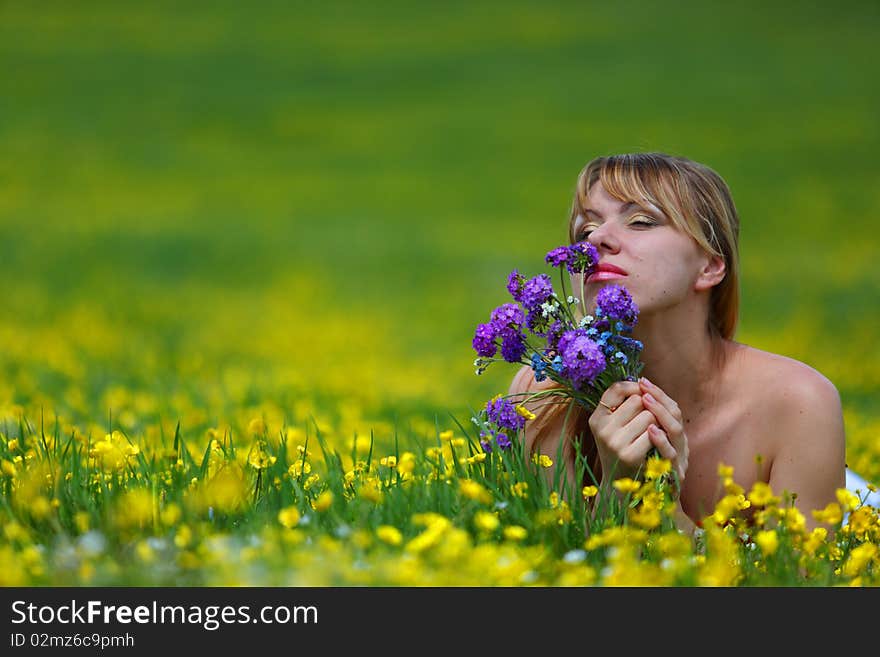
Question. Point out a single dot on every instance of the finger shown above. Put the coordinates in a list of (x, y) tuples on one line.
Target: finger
[(637, 451), (660, 440), (618, 392), (668, 422), (664, 399), (626, 411), (637, 425)]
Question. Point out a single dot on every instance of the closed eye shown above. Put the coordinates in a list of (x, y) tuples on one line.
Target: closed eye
[(642, 222)]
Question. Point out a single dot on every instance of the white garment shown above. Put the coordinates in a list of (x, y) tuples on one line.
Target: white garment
[(857, 484)]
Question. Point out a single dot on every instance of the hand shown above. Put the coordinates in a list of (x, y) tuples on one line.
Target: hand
[(669, 438), (619, 425)]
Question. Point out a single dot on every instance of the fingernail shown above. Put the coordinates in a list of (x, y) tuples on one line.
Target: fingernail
[(645, 381), (649, 399)]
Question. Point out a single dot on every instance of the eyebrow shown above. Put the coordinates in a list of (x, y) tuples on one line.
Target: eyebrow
[(626, 208)]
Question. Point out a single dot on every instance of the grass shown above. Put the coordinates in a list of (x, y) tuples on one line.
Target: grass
[(300, 214)]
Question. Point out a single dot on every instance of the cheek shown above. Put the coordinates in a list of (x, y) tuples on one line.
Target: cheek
[(659, 278)]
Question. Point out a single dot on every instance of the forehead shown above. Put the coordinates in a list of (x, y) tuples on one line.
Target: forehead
[(599, 202)]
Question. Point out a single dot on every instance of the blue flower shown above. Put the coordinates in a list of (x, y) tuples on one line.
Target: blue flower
[(538, 365)]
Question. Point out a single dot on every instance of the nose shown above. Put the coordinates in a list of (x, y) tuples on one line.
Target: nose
[(604, 239)]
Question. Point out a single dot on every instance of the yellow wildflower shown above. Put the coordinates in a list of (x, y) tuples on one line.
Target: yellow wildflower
[(657, 467), (859, 558), (848, 500), (589, 491), (768, 541), (542, 459), (407, 463), (170, 515), (646, 517), (520, 489), (794, 519), (626, 485), (324, 501), (258, 457), (388, 534), (524, 412), (761, 494), (815, 540), (257, 427), (728, 506), (299, 467), (289, 516), (81, 520), (474, 491), (486, 521), (515, 533), (831, 514)]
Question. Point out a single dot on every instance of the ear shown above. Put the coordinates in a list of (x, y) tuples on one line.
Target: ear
[(712, 273)]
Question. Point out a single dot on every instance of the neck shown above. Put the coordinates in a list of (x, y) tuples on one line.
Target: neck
[(679, 358)]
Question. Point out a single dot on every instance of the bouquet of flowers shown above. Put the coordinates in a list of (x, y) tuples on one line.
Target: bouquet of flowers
[(583, 353)]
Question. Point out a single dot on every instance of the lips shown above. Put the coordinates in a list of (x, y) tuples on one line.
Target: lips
[(605, 272)]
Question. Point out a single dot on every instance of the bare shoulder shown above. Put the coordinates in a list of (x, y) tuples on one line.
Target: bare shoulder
[(786, 384), (800, 426)]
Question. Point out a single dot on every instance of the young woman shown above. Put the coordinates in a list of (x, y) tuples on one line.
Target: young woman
[(667, 229)]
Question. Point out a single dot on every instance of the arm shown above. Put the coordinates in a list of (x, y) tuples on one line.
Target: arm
[(810, 459), (539, 430)]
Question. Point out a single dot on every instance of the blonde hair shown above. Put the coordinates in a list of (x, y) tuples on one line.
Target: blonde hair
[(698, 201)]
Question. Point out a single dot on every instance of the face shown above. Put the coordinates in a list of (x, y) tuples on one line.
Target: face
[(641, 249)]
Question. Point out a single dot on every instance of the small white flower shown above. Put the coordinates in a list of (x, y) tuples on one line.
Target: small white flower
[(528, 577), (92, 543), (572, 299), (574, 556)]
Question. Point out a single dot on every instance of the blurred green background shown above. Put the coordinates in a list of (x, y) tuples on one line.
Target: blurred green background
[(215, 210)]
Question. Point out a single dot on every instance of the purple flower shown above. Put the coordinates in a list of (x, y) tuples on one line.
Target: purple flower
[(501, 412), (558, 256), (615, 302), (537, 321), (515, 285), (555, 331), (484, 340), (584, 257), (513, 346), (502, 440), (485, 441), (582, 359), (536, 291), (577, 258), (507, 318)]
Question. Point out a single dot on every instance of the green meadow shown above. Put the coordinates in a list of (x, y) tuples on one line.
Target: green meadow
[(299, 212)]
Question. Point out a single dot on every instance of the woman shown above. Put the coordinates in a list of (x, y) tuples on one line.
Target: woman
[(666, 228)]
